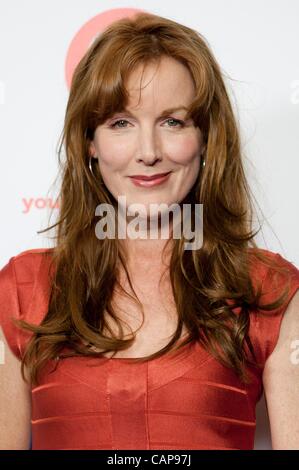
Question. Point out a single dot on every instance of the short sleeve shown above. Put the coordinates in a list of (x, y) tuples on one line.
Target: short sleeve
[(24, 295), (9, 307), (266, 326)]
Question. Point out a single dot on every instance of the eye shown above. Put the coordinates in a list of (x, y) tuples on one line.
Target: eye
[(177, 121), (114, 125)]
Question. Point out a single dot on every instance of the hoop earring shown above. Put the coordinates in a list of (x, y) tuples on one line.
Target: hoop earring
[(91, 170), (90, 165)]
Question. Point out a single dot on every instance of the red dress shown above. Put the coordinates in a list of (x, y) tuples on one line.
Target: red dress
[(182, 401)]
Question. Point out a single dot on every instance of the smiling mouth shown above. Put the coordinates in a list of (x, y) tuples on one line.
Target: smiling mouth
[(149, 178), (150, 181)]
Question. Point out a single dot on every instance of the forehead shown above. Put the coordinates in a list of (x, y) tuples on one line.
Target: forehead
[(164, 84)]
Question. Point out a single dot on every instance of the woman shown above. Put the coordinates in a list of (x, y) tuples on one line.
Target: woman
[(196, 334)]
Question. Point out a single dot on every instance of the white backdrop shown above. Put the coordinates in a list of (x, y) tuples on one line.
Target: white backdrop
[(256, 44)]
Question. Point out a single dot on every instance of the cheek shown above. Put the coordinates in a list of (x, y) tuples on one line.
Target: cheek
[(112, 154), (184, 151)]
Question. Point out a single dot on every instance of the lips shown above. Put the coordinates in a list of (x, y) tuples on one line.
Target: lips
[(144, 181), (149, 178)]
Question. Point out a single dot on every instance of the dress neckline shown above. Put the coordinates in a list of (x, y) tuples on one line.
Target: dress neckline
[(159, 370), (171, 353)]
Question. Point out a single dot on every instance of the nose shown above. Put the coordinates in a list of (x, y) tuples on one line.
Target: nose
[(149, 160), (148, 151)]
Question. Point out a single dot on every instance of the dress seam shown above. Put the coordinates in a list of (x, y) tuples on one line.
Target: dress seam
[(146, 410), (109, 405)]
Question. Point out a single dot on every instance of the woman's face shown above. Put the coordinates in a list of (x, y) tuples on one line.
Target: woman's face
[(145, 139)]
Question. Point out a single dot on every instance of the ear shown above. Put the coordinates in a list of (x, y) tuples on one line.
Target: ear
[(92, 150)]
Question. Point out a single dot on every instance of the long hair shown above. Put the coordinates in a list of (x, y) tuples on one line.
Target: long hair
[(86, 268)]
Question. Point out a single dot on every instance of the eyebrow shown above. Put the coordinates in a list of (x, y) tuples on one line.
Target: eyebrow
[(163, 113)]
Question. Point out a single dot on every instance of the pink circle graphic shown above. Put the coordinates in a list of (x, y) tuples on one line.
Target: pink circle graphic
[(87, 34)]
